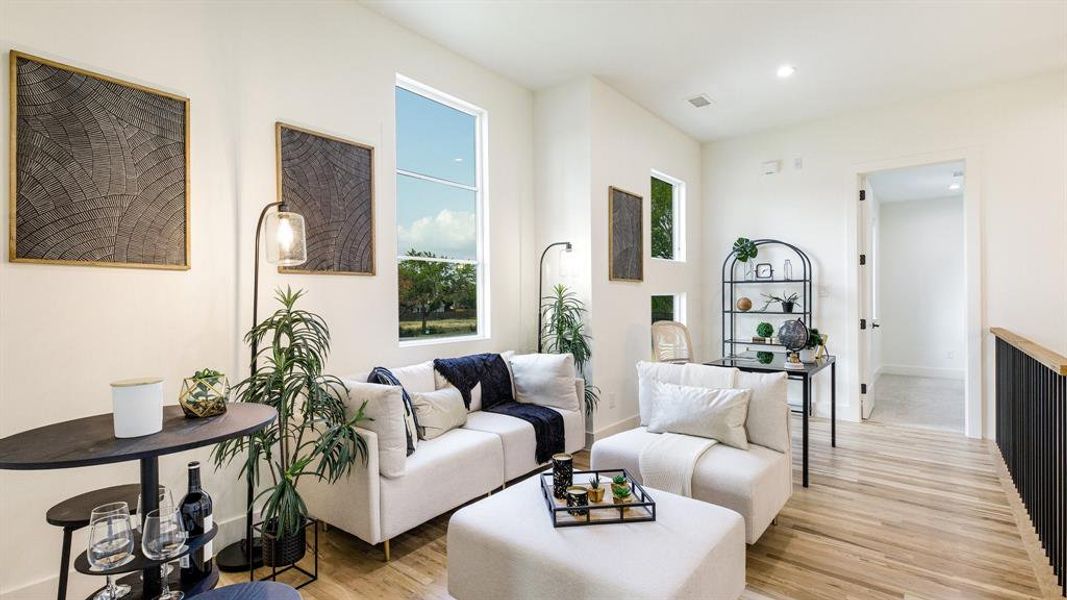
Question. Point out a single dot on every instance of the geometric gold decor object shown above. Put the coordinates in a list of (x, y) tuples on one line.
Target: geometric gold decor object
[(202, 397), (99, 169)]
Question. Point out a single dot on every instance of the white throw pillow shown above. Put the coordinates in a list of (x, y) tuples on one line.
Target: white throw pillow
[(385, 412), (648, 373), (416, 378), (718, 414), (439, 411), (707, 376), (545, 380), (768, 409)]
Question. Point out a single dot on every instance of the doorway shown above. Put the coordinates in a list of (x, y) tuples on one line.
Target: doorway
[(913, 296)]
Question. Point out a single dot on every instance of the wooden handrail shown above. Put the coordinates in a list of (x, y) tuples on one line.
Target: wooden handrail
[(1053, 360)]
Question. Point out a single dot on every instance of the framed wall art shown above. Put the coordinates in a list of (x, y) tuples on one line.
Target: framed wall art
[(330, 181), (625, 236), (99, 170)]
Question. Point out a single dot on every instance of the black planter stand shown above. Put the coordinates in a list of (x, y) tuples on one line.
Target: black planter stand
[(276, 570)]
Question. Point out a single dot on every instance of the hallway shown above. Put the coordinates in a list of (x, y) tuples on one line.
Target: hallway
[(926, 402)]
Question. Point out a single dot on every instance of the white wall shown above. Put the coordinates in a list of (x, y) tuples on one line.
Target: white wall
[(590, 137), (1017, 131), (921, 294), (68, 331)]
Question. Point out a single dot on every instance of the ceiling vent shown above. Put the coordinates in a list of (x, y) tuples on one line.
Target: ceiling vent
[(700, 101)]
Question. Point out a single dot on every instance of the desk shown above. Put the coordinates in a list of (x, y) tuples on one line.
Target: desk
[(91, 441), (750, 363)]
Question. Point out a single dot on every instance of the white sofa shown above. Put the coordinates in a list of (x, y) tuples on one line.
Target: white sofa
[(442, 473), (756, 482)]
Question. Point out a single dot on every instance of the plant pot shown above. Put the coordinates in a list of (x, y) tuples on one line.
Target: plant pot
[(201, 398), (787, 306), (596, 494), (807, 355), (285, 550)]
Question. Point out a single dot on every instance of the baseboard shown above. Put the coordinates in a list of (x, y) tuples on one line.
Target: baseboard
[(617, 427), (916, 371), (81, 586)]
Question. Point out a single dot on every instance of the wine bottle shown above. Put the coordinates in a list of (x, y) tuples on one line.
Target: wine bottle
[(196, 516)]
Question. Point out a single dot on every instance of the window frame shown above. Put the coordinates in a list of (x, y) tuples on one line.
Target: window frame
[(678, 196), (679, 305), (481, 261)]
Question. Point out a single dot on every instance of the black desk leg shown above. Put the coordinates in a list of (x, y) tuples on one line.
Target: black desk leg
[(806, 410), (833, 404), (153, 585), (64, 564)]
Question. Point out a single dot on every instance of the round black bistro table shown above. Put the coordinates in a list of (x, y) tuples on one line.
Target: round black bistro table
[(91, 441)]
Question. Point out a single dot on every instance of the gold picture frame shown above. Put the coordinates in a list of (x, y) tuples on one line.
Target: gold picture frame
[(14, 254), (324, 251)]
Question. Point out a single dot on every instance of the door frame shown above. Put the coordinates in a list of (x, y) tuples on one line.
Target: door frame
[(974, 396)]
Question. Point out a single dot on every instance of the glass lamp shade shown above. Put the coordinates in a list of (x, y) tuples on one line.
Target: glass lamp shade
[(286, 239)]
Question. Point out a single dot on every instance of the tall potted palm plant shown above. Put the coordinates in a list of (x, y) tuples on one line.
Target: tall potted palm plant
[(312, 435), (564, 333)]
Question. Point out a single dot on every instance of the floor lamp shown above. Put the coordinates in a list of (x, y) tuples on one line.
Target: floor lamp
[(286, 247), (540, 285)]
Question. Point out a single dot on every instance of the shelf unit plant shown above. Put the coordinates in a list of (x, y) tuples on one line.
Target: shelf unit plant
[(734, 338)]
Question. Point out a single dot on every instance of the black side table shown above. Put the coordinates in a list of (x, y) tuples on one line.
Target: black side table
[(91, 441), (803, 374), (73, 513)]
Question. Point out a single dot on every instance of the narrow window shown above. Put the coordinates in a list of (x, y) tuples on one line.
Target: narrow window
[(668, 229), (439, 204), (668, 308)]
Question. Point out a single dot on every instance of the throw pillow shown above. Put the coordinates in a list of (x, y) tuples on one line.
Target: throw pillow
[(440, 383), (415, 378), (768, 409), (545, 380), (439, 411), (488, 370), (717, 414), (383, 376), (648, 373), (385, 417)]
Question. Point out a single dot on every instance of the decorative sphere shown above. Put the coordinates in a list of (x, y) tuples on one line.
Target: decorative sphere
[(793, 335), (744, 304)]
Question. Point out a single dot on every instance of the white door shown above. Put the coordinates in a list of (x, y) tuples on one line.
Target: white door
[(868, 262)]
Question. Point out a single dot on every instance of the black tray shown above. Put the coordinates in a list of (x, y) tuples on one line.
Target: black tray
[(641, 509)]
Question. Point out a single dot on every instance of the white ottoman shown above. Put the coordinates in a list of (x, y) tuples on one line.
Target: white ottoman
[(505, 547)]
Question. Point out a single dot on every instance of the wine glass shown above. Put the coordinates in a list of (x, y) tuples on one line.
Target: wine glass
[(164, 502), (164, 539), (110, 544)]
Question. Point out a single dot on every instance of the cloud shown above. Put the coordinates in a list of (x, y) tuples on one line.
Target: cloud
[(448, 233)]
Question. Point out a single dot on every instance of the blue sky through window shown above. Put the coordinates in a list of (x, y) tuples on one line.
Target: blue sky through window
[(433, 139), (435, 217)]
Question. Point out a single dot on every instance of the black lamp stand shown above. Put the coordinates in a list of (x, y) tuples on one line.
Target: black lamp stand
[(540, 287)]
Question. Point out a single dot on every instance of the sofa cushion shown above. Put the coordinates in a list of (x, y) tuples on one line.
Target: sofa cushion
[(647, 374), (768, 409), (446, 472), (438, 411), (416, 378), (707, 376), (756, 482), (718, 414), (385, 412), (384, 376), (519, 441), (545, 380)]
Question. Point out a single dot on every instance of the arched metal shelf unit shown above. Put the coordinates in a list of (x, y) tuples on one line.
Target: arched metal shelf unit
[(731, 338)]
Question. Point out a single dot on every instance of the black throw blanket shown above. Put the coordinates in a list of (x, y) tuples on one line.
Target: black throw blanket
[(493, 374)]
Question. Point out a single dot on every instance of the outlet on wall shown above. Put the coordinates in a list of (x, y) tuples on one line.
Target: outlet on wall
[(611, 400), (950, 355)]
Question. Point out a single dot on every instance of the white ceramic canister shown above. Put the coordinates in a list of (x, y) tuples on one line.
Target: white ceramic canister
[(138, 406)]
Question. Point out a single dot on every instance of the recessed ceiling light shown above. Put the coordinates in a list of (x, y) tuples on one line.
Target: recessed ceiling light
[(955, 185), (786, 71), (701, 101)]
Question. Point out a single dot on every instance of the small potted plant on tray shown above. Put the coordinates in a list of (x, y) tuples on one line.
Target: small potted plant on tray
[(815, 340), (788, 301), (596, 491), (620, 490), (204, 394)]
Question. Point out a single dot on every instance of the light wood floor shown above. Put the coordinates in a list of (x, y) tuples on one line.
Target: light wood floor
[(891, 513)]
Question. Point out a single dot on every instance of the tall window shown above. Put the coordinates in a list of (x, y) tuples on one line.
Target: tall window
[(439, 189), (668, 230)]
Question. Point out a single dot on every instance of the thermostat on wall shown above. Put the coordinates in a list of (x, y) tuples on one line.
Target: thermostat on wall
[(771, 167)]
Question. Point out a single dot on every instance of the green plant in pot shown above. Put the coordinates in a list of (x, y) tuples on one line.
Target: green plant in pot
[(204, 394), (787, 301), (764, 331), (745, 249), (620, 490), (596, 491), (313, 435), (563, 315), (808, 353)]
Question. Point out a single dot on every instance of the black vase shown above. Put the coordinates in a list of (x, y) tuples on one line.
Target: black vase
[(787, 306), (562, 474), (280, 551)]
